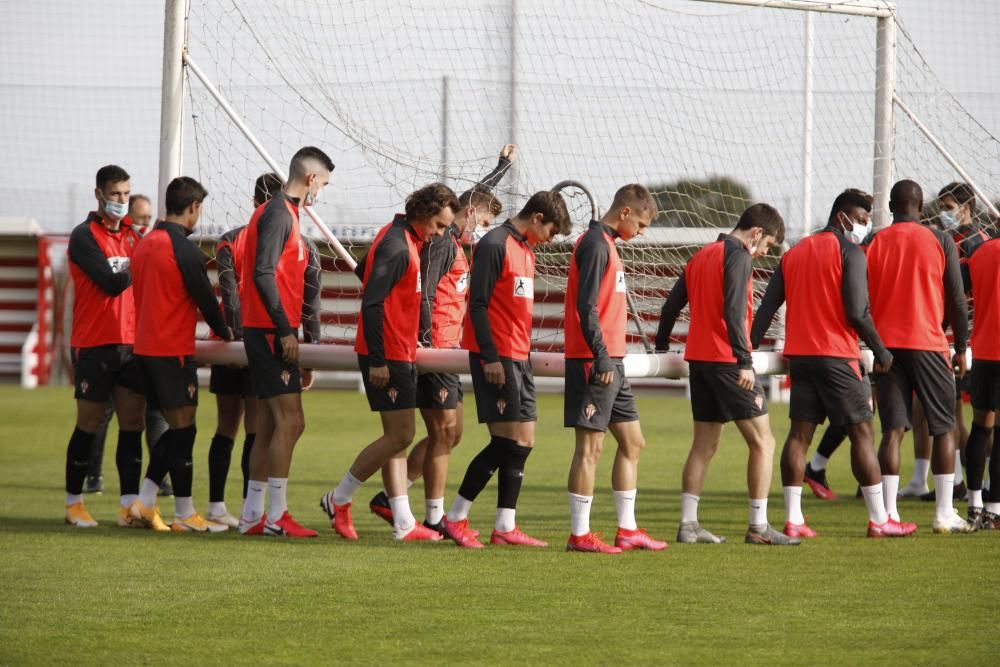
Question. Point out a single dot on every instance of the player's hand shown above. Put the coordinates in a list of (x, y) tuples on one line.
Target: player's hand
[(230, 336), (747, 379), (882, 369), (604, 379), (959, 366), (290, 348), (378, 376), (494, 373), (509, 151), (308, 377)]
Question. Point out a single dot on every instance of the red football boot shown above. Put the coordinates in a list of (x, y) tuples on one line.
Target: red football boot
[(460, 533), (286, 526), (380, 507), (798, 530), (628, 540), (252, 527), (591, 543), (340, 517), (516, 538), (420, 533), (891, 528)]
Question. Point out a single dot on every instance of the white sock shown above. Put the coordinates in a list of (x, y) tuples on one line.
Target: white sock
[(944, 486), (148, 491), (793, 504), (579, 513), (505, 520), (818, 462), (459, 509), (183, 507), (217, 509), (277, 503), (253, 506), (920, 469), (986, 475), (345, 491), (890, 488), (73, 498), (758, 511), (402, 517), (875, 504), (433, 510), (993, 508), (976, 498), (958, 467), (127, 500), (625, 508), (689, 508)]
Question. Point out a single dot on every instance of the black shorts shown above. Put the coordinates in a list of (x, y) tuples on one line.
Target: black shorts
[(270, 375), (229, 381), (929, 375), (589, 405), (716, 396), (829, 387), (399, 394), (439, 391), (514, 402), (170, 382), (963, 386), (96, 371), (985, 384)]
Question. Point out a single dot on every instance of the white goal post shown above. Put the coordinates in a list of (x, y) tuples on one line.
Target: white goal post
[(872, 70)]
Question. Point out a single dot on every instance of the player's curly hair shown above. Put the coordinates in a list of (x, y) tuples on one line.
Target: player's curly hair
[(481, 197), (430, 200), (553, 209)]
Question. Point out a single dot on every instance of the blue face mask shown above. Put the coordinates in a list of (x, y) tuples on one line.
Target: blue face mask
[(115, 210), (948, 219)]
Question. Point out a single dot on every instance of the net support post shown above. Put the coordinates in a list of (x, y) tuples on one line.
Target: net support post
[(807, 127), (171, 100), (885, 86)]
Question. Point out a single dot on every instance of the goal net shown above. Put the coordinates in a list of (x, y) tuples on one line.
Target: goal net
[(713, 106)]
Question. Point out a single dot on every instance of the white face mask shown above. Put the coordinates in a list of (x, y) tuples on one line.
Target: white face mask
[(859, 232), (477, 234), (313, 198), (949, 219), (115, 210)]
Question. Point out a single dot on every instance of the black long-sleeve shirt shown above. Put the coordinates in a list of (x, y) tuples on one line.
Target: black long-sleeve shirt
[(229, 280), (312, 295), (390, 260), (274, 227)]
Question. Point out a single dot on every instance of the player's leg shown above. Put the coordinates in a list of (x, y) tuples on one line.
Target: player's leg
[(252, 516), (961, 437), (88, 419), (980, 435), (756, 431), (156, 426), (990, 396), (229, 410), (934, 383), (130, 408), (704, 445), (815, 471), (511, 475), (793, 456), (625, 482), (289, 423), (442, 436), (251, 407), (917, 486), (582, 472), (94, 482)]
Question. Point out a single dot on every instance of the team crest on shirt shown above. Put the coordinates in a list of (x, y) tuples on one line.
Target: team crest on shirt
[(590, 411), (442, 395), (286, 377), (393, 394), (84, 386), (524, 287), (620, 284), (463, 283), (501, 405), (191, 390), (418, 281)]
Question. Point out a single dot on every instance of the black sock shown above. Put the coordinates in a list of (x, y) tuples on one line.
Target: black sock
[(245, 460), (220, 454), (181, 461), (159, 458), (975, 455), (128, 456), (97, 444), (482, 467), (994, 495), (832, 439), (511, 476), (77, 460)]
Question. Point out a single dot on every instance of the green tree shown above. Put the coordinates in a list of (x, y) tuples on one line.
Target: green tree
[(713, 202)]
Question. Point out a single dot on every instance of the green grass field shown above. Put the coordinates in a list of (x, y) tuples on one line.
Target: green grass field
[(116, 596)]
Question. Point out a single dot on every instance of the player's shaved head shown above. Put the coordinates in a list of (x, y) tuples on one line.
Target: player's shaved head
[(637, 197), (906, 198), (308, 160)]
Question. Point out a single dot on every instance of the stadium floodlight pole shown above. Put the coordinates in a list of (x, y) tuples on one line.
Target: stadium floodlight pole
[(235, 118), (949, 158), (172, 99)]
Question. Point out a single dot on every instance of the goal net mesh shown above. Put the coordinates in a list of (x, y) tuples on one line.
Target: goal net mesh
[(702, 102)]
